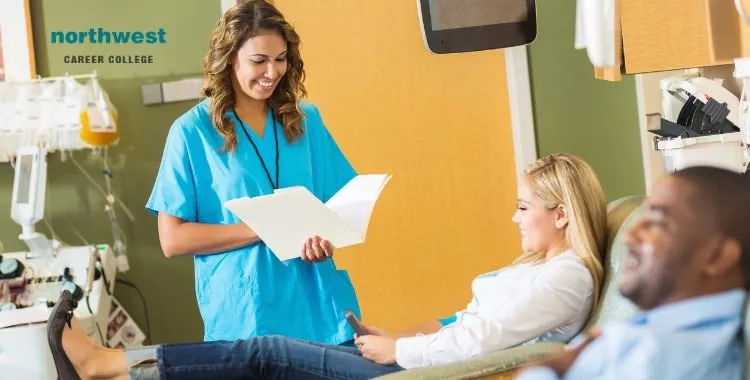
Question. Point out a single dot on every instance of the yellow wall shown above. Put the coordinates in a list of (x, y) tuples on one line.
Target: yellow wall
[(441, 126)]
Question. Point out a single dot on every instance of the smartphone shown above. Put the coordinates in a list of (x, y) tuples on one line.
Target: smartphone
[(354, 322)]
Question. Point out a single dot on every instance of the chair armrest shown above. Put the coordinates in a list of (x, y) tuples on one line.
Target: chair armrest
[(489, 364)]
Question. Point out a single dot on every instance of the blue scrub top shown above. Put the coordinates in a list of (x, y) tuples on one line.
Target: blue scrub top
[(248, 292)]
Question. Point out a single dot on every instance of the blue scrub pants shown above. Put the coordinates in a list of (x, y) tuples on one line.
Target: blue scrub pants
[(268, 357)]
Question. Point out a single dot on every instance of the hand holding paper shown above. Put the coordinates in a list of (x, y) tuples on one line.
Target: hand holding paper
[(285, 219), (316, 249)]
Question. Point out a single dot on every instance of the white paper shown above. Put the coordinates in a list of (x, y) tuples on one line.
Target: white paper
[(355, 201), (285, 219)]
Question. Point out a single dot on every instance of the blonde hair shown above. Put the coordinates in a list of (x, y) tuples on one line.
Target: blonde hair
[(564, 179), (246, 20)]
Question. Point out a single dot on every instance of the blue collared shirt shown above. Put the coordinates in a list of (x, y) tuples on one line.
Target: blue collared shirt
[(693, 339)]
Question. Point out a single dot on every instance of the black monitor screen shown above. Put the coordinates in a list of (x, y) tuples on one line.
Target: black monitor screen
[(456, 14)]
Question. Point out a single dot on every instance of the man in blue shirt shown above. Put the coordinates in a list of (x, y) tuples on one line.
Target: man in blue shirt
[(687, 268)]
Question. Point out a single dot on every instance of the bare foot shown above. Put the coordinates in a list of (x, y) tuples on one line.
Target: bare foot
[(90, 360)]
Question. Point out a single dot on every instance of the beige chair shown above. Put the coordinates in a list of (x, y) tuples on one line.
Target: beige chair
[(621, 214)]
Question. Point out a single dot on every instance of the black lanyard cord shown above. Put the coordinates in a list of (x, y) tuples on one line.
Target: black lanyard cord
[(257, 152)]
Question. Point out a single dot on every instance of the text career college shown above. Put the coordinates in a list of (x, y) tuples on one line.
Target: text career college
[(135, 59)]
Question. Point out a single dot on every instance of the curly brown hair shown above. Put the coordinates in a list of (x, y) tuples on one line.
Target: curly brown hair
[(243, 21)]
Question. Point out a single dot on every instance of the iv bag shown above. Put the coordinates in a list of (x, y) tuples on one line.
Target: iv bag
[(71, 108), (47, 103), (7, 102), (99, 116), (28, 113)]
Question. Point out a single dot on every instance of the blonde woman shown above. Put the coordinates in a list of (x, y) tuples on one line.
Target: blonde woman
[(547, 294), (251, 135)]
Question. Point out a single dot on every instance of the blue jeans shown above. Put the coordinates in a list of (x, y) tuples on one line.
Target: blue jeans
[(268, 357)]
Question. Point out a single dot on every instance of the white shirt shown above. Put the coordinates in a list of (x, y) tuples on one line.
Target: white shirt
[(514, 305)]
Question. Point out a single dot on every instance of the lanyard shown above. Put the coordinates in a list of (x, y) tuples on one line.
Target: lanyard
[(257, 152)]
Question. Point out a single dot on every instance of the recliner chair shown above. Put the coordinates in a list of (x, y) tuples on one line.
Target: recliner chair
[(621, 214)]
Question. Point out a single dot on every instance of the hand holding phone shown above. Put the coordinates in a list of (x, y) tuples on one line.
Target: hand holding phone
[(354, 322)]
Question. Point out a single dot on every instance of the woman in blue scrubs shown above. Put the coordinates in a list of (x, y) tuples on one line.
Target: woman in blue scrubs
[(252, 134)]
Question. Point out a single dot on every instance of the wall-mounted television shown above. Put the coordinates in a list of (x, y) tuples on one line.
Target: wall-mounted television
[(457, 26)]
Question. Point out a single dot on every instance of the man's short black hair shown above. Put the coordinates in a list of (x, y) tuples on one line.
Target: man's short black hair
[(723, 197)]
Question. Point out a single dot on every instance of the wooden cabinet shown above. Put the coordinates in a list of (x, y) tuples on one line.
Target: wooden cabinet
[(661, 35)]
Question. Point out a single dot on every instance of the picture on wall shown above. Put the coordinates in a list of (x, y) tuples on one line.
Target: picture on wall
[(17, 62)]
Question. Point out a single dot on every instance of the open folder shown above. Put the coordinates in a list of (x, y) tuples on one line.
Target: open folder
[(286, 218)]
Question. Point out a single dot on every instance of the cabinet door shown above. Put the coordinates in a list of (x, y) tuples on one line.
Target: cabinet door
[(441, 125), (660, 35), (730, 34)]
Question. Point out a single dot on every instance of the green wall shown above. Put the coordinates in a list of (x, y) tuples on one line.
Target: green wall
[(166, 283), (594, 119)]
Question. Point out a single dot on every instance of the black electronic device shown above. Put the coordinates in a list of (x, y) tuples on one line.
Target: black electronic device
[(457, 26), (354, 322)]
